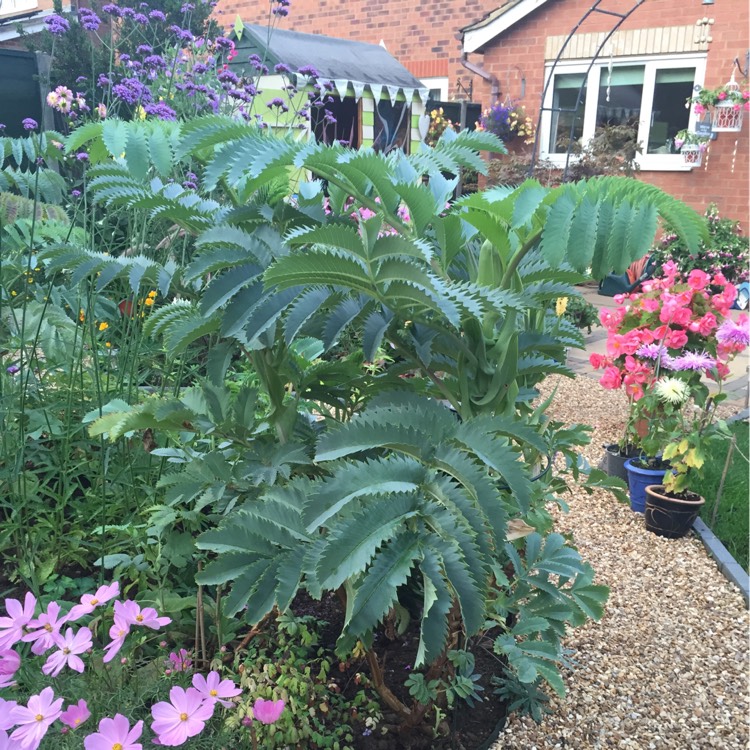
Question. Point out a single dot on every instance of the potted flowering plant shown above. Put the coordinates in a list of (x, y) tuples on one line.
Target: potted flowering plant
[(691, 146), (663, 345), (728, 103), (507, 120)]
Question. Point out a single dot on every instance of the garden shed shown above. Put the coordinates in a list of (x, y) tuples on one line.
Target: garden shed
[(376, 101)]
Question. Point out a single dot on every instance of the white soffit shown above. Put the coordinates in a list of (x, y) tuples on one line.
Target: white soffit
[(475, 39)]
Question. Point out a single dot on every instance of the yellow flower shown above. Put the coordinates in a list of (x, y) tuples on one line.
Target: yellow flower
[(103, 326), (140, 113), (148, 301), (152, 294), (81, 316), (108, 344), (561, 306), (13, 293)]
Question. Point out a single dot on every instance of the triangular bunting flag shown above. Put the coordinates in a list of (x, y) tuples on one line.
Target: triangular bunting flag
[(377, 90), (342, 86)]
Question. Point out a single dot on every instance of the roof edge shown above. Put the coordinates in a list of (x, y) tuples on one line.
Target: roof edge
[(478, 35)]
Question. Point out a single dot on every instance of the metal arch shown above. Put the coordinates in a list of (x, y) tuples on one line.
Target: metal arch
[(595, 8)]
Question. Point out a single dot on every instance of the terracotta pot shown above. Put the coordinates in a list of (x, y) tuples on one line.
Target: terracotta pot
[(669, 516)]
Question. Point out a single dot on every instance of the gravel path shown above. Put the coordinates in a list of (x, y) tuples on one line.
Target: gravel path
[(667, 667)]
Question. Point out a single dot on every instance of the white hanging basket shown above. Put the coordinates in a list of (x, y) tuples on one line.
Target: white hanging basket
[(692, 155), (727, 118)]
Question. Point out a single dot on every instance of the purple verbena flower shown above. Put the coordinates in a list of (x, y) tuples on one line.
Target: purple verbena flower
[(29, 124), (155, 62), (282, 68), (102, 80), (132, 91), (308, 70), (160, 110), (57, 25), (275, 102), (144, 49), (112, 9), (13, 369), (82, 156), (88, 19), (157, 15)]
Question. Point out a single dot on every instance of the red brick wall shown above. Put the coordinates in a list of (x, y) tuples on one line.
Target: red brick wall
[(422, 36), (519, 53)]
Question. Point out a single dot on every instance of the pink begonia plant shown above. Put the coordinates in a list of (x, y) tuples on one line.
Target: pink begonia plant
[(75, 714), (33, 721), (115, 733), (184, 716)]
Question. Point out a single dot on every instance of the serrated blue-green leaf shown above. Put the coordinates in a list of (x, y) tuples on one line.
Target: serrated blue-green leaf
[(136, 153), (236, 535), (375, 326), (353, 541), (529, 625), (226, 568), (642, 231), (376, 593), (236, 314), (617, 259), (421, 204), (437, 600), (583, 234), (339, 318), (555, 241), (161, 153), (319, 267), (222, 288), (528, 197), (135, 276), (395, 475), (589, 597), (343, 237), (470, 595), (302, 309), (266, 312), (244, 585)]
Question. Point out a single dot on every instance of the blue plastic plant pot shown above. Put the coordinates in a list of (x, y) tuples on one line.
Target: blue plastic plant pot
[(638, 480)]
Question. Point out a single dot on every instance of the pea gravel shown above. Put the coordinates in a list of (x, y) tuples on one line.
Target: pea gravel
[(667, 666)]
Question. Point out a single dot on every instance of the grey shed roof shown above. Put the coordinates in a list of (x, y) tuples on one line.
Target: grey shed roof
[(335, 59)]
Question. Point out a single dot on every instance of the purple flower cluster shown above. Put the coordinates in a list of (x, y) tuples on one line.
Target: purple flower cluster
[(57, 25), (281, 8), (132, 91), (160, 110), (88, 19), (29, 124)]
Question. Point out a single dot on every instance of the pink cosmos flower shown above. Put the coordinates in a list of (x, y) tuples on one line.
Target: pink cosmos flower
[(75, 714), (6, 708), (185, 716), (268, 712), (70, 645), (89, 602), (34, 720), (131, 612), (213, 688), (10, 662), (180, 661), (11, 627), (118, 632), (115, 733), (6, 743), (44, 629)]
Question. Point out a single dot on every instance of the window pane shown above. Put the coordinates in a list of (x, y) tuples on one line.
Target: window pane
[(620, 94), (668, 113), (564, 97), (391, 129)]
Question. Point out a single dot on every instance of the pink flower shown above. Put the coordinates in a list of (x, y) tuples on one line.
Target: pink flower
[(746, 105), (131, 612), (698, 279), (676, 339), (12, 627), (118, 632), (268, 712), (75, 714), (6, 743), (115, 733), (650, 304), (10, 662), (6, 709), (212, 689), (611, 378), (44, 629), (89, 602), (185, 716), (70, 645), (181, 661), (699, 109), (597, 361), (721, 95), (34, 720)]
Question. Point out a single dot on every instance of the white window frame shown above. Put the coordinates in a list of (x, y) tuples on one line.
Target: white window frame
[(437, 82), (651, 63)]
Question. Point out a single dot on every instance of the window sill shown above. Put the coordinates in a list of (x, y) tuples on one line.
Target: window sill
[(651, 163)]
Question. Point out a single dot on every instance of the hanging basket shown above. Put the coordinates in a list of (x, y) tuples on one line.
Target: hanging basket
[(692, 155), (727, 118)]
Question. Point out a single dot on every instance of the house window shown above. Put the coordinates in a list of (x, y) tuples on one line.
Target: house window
[(647, 94)]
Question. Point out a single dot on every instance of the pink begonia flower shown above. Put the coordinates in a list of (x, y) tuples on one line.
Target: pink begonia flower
[(721, 95), (6, 708), (676, 339), (44, 629), (34, 720), (89, 602), (70, 645), (12, 627), (180, 661), (698, 279), (75, 714), (118, 632), (115, 733), (185, 716), (268, 712), (213, 688), (10, 663), (131, 612), (611, 378), (699, 109)]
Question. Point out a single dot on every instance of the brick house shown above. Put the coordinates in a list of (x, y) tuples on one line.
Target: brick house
[(658, 56), (663, 50)]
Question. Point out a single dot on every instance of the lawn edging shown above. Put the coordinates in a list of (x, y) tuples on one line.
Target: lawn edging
[(728, 566)]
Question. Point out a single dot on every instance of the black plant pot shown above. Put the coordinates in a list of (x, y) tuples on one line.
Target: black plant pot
[(668, 516), (614, 460)]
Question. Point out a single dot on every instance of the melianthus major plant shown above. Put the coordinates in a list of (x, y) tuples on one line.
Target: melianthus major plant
[(414, 481)]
